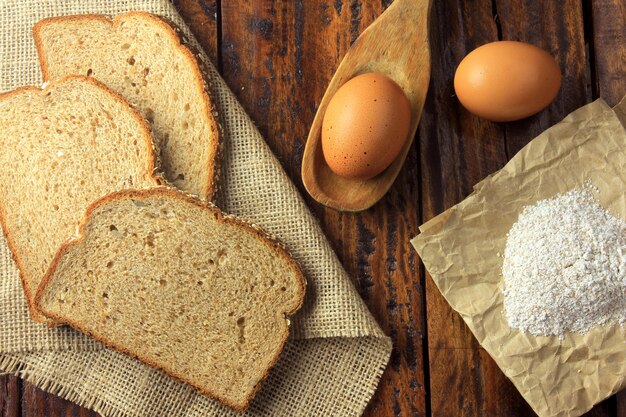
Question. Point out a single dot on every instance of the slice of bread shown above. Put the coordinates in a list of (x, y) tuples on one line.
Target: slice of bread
[(61, 148), (170, 280), (141, 57)]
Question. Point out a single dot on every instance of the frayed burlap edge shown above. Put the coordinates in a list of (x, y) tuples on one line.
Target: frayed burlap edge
[(195, 404)]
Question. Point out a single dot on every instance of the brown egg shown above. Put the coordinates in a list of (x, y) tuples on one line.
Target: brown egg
[(505, 81), (365, 126)]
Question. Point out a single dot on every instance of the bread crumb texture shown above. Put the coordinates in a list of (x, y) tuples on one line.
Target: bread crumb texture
[(62, 148), (173, 282), (141, 57)]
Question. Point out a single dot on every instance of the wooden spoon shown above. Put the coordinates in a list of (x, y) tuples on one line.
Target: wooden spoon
[(395, 45)]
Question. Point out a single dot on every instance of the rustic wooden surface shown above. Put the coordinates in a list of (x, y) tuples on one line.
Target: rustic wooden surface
[(278, 58), (395, 45)]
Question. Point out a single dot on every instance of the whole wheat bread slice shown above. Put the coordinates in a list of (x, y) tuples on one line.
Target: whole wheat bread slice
[(168, 279), (141, 57), (61, 148)]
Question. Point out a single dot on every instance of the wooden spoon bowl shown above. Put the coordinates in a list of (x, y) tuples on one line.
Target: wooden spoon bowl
[(395, 45)]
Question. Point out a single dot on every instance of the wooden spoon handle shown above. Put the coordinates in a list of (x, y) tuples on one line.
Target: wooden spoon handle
[(417, 8), (395, 45), (409, 16)]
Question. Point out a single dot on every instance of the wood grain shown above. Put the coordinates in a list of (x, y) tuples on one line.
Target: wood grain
[(278, 57), (557, 28), (460, 149), (202, 18), (395, 45), (10, 387), (282, 99), (608, 47), (457, 150), (37, 403)]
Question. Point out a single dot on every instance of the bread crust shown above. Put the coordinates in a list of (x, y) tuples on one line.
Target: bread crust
[(214, 154), (151, 168), (221, 217)]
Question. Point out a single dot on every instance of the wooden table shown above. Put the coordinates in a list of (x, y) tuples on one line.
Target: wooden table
[(278, 58)]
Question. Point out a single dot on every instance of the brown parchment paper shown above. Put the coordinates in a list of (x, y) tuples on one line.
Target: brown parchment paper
[(460, 250), (336, 352)]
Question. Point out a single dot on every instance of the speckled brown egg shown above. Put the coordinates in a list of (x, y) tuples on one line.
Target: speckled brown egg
[(365, 126), (505, 81)]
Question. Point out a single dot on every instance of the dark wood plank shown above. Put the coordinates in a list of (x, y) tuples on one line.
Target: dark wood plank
[(609, 48), (278, 58), (558, 29), (10, 387), (458, 150), (202, 18), (37, 403), (620, 404), (33, 401)]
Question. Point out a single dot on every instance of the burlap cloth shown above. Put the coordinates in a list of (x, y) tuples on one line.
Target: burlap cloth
[(336, 353)]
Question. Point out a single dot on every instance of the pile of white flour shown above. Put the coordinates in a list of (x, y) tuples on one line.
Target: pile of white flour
[(565, 266)]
